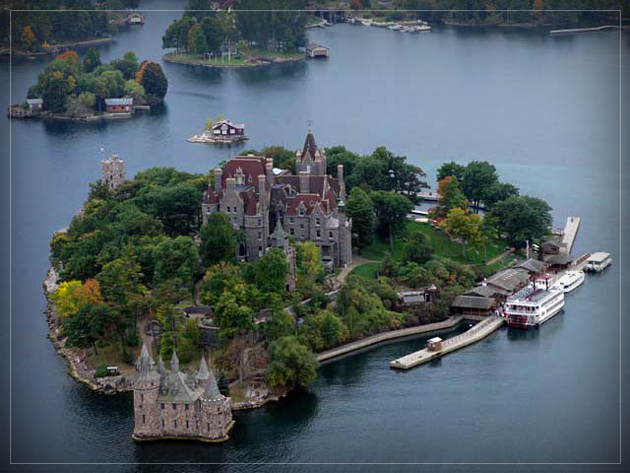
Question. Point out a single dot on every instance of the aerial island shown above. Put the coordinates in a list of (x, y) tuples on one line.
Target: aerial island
[(89, 90), (248, 277)]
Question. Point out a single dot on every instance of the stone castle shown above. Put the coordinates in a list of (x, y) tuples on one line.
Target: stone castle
[(179, 406), (114, 172), (270, 205)]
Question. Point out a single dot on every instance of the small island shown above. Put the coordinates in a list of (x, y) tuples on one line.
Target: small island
[(221, 131), (245, 37), (88, 90)]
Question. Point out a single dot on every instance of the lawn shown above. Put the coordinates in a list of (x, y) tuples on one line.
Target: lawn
[(244, 58), (443, 247), (366, 270)]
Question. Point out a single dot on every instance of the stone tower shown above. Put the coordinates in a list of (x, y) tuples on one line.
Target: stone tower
[(310, 159), (145, 395), (114, 172), (216, 412)]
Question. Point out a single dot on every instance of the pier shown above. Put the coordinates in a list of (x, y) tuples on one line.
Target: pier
[(584, 30), (476, 333), (570, 232)]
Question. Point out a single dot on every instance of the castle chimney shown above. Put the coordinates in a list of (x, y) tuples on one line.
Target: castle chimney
[(218, 174), (304, 182), (262, 191), (342, 184), (269, 170)]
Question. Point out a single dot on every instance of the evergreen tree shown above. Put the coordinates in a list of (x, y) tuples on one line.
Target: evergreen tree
[(223, 384)]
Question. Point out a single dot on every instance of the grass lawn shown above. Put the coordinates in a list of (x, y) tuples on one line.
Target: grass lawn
[(443, 247), (243, 59), (366, 270), (109, 356)]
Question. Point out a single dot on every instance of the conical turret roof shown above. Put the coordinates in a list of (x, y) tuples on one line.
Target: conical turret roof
[(203, 372), (174, 363), (310, 148), (160, 366), (211, 392)]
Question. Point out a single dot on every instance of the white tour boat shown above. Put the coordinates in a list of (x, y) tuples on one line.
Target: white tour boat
[(535, 304), (597, 262), (570, 281)]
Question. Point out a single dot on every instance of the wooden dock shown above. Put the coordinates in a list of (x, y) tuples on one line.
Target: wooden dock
[(570, 231), (584, 30), (476, 333)]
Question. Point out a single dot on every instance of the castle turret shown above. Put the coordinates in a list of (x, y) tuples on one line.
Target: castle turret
[(146, 388), (203, 374), (174, 363), (114, 172), (345, 236), (216, 411)]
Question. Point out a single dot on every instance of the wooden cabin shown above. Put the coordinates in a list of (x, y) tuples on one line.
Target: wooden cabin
[(317, 50), (124, 105), (227, 128)]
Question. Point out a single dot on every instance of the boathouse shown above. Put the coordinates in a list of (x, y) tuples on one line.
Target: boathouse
[(509, 280), (227, 128), (35, 105), (533, 266), (135, 19), (552, 245), (418, 296), (473, 306), (317, 50), (483, 290), (559, 262), (119, 105)]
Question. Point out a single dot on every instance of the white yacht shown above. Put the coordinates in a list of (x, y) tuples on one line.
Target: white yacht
[(597, 262), (534, 305), (570, 280)]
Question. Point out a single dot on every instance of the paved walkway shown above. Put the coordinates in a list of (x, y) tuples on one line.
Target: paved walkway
[(356, 261)]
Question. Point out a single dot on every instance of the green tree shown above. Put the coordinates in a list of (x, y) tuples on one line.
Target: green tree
[(270, 272), (417, 249), (463, 225), (479, 176), (310, 270), (219, 278), (235, 310), (213, 33), (176, 258), (197, 40), (87, 326), (218, 240), (135, 90), (282, 158), (522, 218), (153, 80), (391, 213), (223, 384), (451, 169), (280, 322), (451, 196), (55, 91), (361, 210), (497, 192), (92, 60), (110, 84), (128, 65), (291, 363)]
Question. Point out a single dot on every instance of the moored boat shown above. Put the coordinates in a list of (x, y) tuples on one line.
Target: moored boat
[(570, 281), (597, 262), (534, 305)]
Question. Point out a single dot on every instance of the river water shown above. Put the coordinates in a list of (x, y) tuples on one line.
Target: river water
[(545, 110)]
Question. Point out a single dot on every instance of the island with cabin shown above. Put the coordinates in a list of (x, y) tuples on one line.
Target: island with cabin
[(88, 90)]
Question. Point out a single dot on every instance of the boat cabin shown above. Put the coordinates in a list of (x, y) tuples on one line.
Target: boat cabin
[(597, 262), (227, 128), (35, 105), (123, 105)]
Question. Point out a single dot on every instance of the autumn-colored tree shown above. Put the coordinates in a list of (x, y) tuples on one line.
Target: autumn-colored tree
[(28, 37), (538, 6), (65, 298), (356, 4), (70, 56), (463, 225), (451, 196), (90, 293)]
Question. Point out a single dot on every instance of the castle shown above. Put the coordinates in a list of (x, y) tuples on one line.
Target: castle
[(175, 405), (270, 205), (114, 172)]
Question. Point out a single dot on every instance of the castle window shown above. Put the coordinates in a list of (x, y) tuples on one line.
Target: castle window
[(319, 234), (162, 406), (228, 209), (330, 234), (186, 406), (175, 424), (301, 212), (317, 221), (141, 397), (292, 231), (260, 235), (301, 226), (143, 419), (174, 406), (187, 424), (291, 220), (260, 222), (208, 427), (162, 423)]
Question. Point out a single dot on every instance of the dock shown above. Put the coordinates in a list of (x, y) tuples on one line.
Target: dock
[(584, 30), (476, 333), (570, 232)]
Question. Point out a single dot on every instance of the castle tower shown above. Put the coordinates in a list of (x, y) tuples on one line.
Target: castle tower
[(345, 236), (310, 159), (114, 172), (216, 412), (145, 395), (203, 375)]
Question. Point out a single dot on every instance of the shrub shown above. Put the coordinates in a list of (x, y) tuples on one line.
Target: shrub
[(101, 371)]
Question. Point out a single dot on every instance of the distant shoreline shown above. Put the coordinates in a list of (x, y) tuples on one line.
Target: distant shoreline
[(76, 44)]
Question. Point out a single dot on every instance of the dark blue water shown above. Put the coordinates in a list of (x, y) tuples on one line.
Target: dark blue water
[(545, 111)]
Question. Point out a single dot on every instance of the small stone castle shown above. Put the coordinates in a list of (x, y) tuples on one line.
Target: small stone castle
[(175, 405), (270, 205), (114, 172)]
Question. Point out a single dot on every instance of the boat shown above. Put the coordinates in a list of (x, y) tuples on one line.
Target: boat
[(534, 305), (394, 27), (597, 262), (366, 22), (570, 281)]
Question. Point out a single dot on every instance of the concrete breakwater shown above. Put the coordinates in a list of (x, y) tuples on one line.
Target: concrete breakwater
[(476, 333), (385, 336)]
